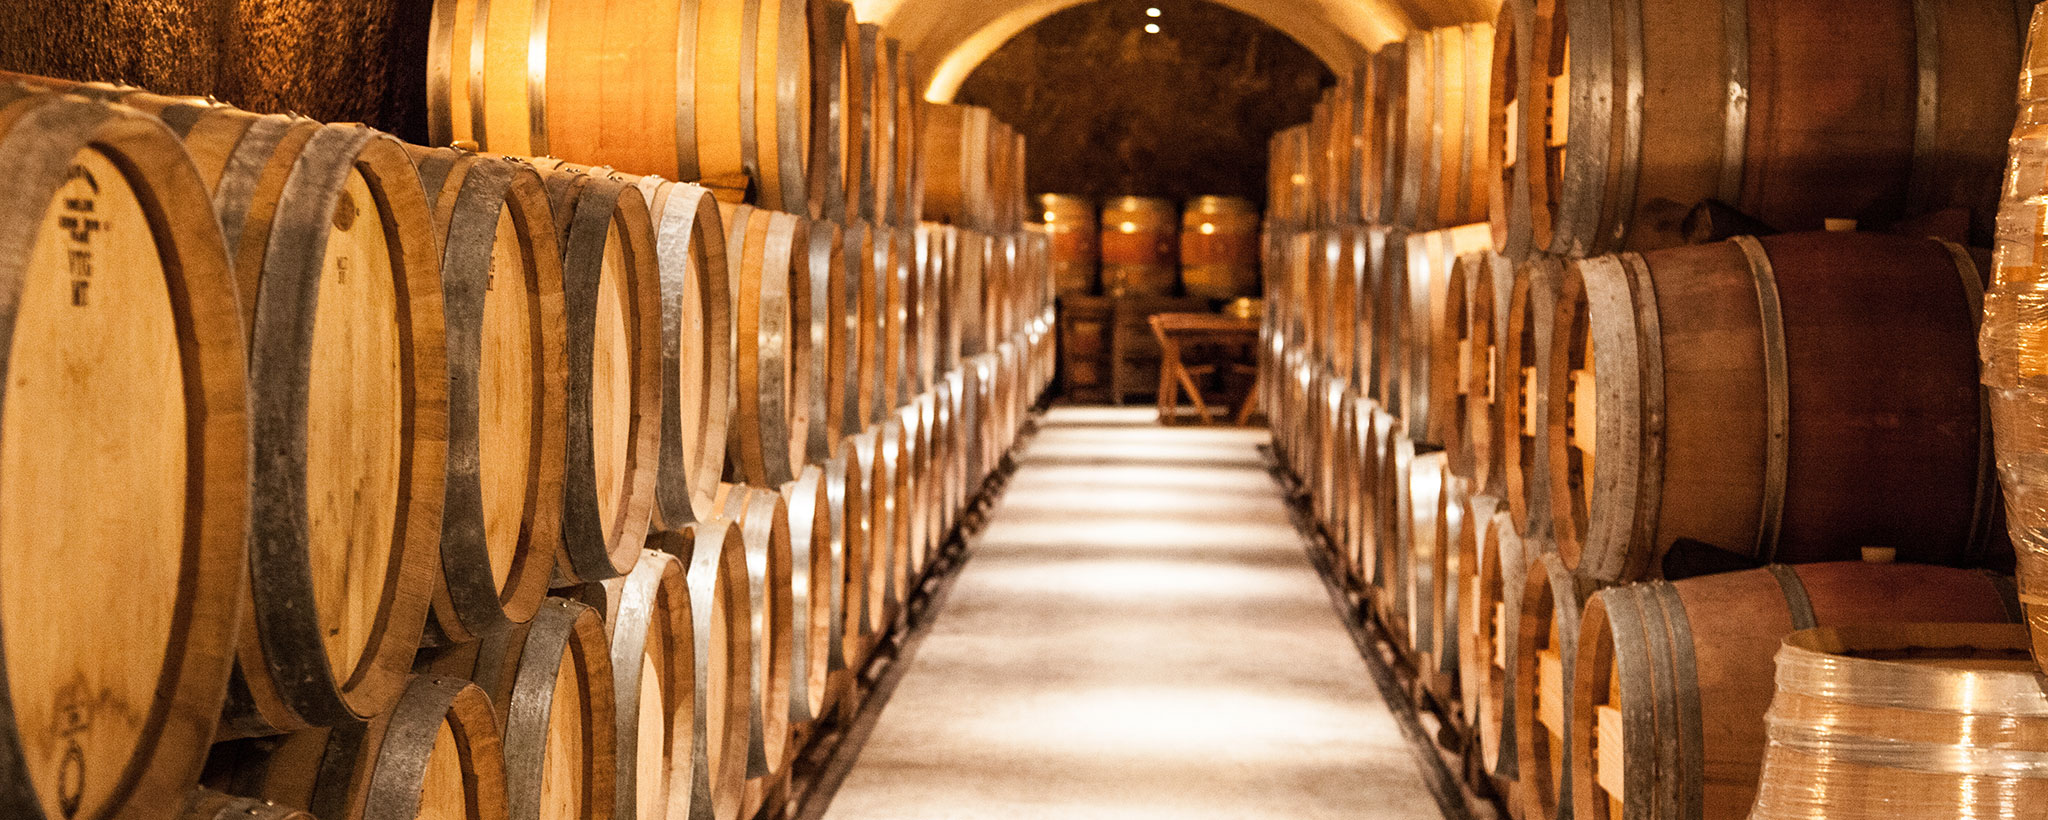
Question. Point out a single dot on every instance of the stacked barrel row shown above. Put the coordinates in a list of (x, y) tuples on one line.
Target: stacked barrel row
[(1592, 415), (1144, 246), (413, 481)]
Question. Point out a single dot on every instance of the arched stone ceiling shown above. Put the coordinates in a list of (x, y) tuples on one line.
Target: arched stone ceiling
[(951, 37)]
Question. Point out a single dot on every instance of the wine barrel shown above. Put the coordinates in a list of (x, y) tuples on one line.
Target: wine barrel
[(1387, 137), (501, 512), (847, 503), (730, 101), (1320, 151), (612, 288), (1445, 590), (917, 512), (721, 662), (878, 90), (1287, 179), (1457, 356), (1387, 277), (1449, 72), (1137, 247), (1490, 562), (207, 804), (349, 384), (763, 520), (908, 200), (1911, 121), (1413, 484), (836, 136), (1642, 708), (1513, 93), (766, 247), (1430, 371), (1070, 222), (1489, 280), (817, 594), (1219, 247), (896, 460), (1915, 720), (1520, 399), (121, 326), (550, 680), (437, 753), (653, 669), (1545, 654), (955, 146), (696, 345), (1884, 442), (899, 304)]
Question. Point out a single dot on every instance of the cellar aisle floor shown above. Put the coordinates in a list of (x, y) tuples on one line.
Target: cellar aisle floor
[(1137, 634)]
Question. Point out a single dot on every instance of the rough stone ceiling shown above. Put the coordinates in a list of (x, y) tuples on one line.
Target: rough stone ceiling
[(951, 37)]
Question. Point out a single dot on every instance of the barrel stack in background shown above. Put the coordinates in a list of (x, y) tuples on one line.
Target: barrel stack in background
[(542, 422), (1549, 474)]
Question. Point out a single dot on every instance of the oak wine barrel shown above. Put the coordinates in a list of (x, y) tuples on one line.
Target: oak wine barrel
[(837, 139), (437, 753), (1387, 278), (1904, 720), (1489, 280), (1512, 95), (1493, 628), (653, 660), (1138, 246), (1430, 371), (1219, 247), (501, 282), (696, 345), (722, 662), (1520, 400), (762, 518), (1668, 713), (1911, 121), (1545, 653), (1070, 222), (1448, 74), (1675, 370), (878, 122), (823, 304), (1386, 137), (121, 323), (340, 281), (550, 680), (1443, 593), (817, 594)]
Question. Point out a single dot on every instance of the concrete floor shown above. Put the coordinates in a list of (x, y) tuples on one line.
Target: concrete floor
[(1137, 634)]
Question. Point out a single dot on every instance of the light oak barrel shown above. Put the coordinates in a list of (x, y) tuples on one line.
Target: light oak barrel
[(120, 310), (1668, 717), (898, 313), (1458, 357), (763, 246), (1490, 282), (1445, 591), (1219, 247), (550, 680), (1414, 479), (654, 681), (1545, 653), (349, 390), (847, 475), (480, 84), (897, 463), (1430, 371), (1138, 239), (437, 753), (1904, 720), (779, 97), (1672, 413), (908, 201), (1504, 561), (1477, 621), (915, 503), (715, 555), (1387, 137), (955, 148), (1448, 78), (1511, 95), (1287, 177), (881, 456), (1387, 278), (878, 94), (817, 602), (696, 346), (837, 139), (1911, 121), (826, 301), (763, 521), (501, 282), (1520, 401)]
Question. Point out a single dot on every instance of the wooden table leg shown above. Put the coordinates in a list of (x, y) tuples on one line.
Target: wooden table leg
[(1251, 402), (1169, 363), (1194, 393)]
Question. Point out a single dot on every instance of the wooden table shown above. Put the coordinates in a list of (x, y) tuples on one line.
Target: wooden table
[(1178, 329)]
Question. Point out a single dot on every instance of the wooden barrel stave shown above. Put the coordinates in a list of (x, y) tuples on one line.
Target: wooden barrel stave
[(653, 660), (1545, 655), (722, 660), (817, 603), (1521, 402)]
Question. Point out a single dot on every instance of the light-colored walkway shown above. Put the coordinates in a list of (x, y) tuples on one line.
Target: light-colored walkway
[(1138, 634)]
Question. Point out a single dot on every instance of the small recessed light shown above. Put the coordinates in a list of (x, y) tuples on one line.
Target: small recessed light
[(1151, 28), (1152, 12)]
